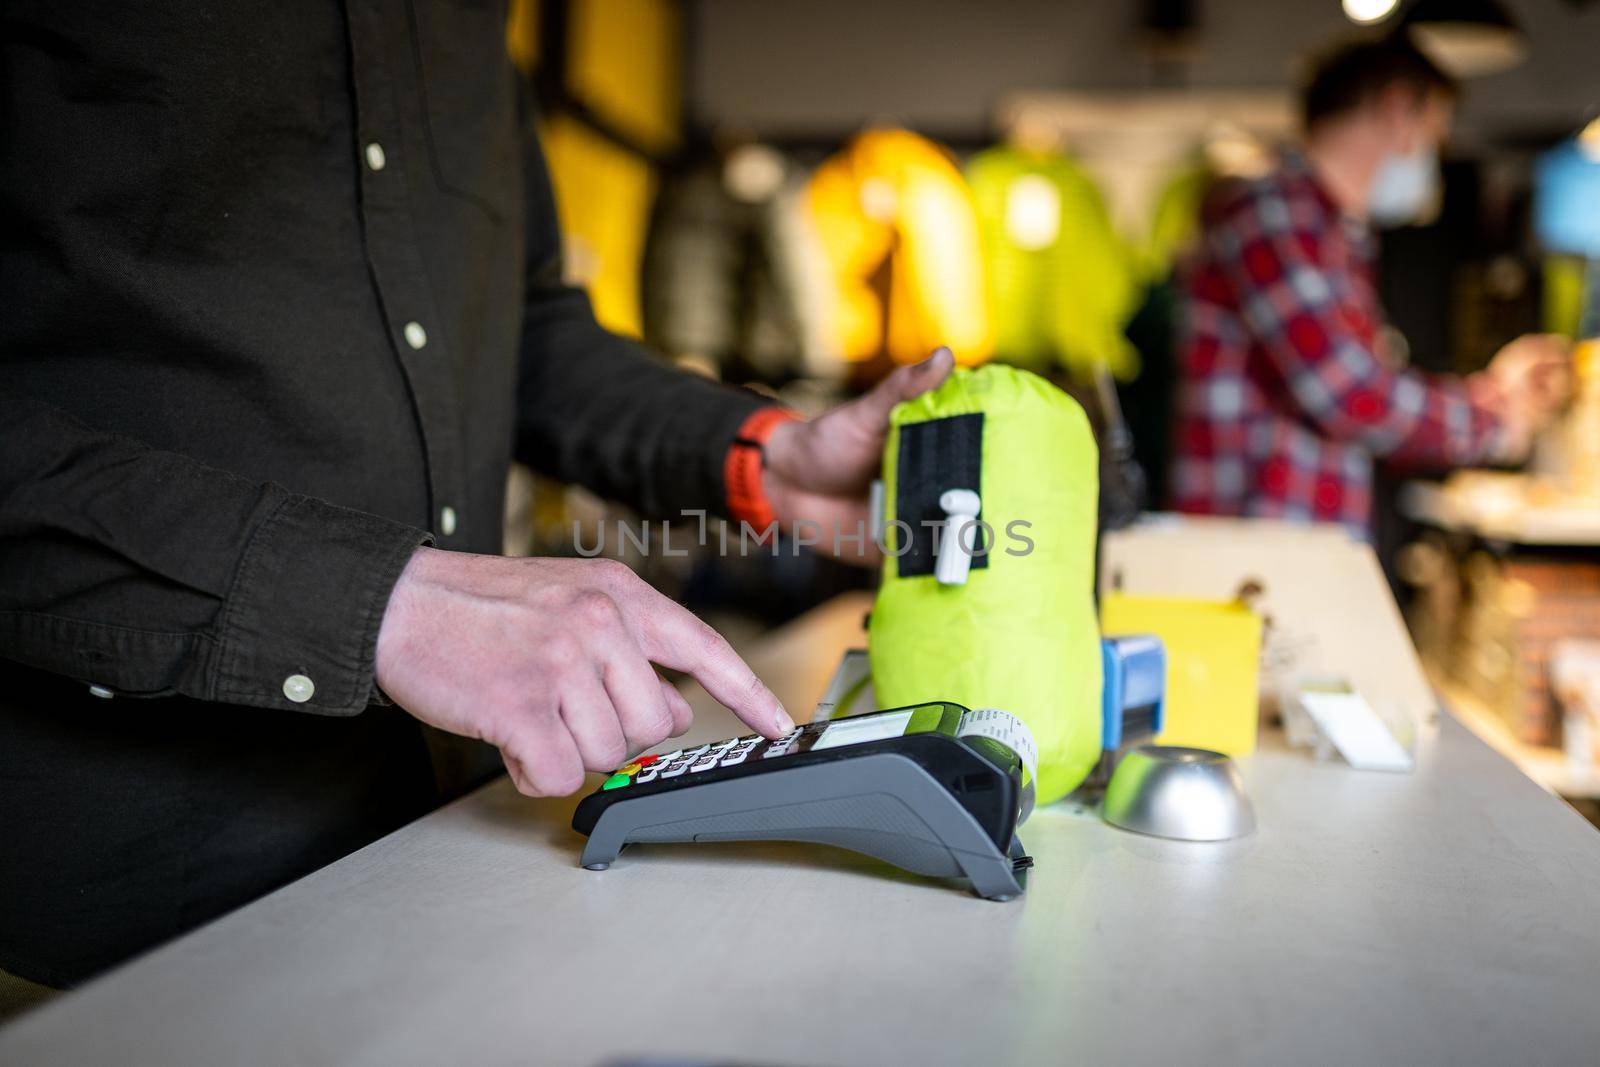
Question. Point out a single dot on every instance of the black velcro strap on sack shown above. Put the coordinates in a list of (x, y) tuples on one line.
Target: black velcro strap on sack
[(936, 455)]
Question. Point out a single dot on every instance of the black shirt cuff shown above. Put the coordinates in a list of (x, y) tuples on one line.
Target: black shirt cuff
[(300, 628), (693, 467)]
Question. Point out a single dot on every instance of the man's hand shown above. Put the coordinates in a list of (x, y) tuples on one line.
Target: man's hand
[(1537, 369), (1526, 384), (549, 661), (819, 471)]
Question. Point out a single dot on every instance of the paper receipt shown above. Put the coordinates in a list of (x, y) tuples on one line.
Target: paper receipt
[(1006, 728)]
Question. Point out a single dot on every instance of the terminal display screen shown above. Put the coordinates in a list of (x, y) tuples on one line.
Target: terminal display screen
[(861, 729)]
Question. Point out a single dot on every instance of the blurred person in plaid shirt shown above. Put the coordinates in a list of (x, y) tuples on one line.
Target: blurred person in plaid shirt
[(1286, 392)]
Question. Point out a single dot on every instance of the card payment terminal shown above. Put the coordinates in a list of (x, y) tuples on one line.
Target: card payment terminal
[(936, 788)]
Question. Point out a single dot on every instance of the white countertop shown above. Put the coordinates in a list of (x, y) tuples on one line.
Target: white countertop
[(1450, 916), (1502, 510)]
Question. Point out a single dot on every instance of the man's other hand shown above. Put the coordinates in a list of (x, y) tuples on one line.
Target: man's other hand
[(819, 471), (1526, 385), (550, 660), (1535, 370)]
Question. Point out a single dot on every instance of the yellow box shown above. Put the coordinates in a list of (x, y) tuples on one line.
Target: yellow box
[(1213, 665)]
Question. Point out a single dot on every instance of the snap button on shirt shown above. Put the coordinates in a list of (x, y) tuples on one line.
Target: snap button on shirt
[(298, 688)]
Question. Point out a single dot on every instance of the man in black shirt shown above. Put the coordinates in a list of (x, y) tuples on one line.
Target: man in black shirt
[(280, 300)]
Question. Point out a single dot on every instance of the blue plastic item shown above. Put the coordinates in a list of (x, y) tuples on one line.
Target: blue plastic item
[(1566, 200), (1133, 700)]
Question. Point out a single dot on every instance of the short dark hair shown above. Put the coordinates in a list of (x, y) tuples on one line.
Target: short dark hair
[(1350, 75)]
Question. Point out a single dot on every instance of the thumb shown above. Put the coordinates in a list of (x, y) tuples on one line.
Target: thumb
[(919, 378), (907, 383)]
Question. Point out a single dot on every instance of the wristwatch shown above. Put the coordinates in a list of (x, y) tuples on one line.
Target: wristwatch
[(746, 460)]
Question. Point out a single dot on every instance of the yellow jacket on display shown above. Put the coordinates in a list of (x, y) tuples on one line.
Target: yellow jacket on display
[(897, 228)]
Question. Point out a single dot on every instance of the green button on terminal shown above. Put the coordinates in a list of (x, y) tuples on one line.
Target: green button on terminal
[(616, 781)]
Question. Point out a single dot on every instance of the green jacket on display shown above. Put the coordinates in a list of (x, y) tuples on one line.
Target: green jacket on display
[(1061, 284)]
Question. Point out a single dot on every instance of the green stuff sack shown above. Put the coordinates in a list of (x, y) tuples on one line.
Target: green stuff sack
[(1020, 633)]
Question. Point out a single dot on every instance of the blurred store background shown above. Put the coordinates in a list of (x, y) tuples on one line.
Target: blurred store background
[(800, 196)]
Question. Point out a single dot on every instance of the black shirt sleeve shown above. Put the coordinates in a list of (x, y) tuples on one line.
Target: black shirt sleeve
[(151, 574), (601, 410)]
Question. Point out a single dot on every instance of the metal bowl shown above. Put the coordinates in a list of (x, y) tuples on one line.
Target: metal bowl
[(1192, 794)]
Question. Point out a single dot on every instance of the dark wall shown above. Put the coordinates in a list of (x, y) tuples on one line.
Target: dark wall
[(816, 66)]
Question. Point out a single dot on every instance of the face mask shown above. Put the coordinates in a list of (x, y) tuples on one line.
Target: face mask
[(1403, 187)]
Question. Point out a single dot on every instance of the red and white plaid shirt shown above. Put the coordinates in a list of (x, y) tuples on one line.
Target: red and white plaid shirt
[(1284, 394)]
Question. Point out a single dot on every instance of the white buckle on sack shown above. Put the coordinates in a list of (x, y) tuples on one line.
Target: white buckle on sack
[(961, 508)]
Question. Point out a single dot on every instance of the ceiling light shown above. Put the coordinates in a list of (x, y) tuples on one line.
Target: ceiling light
[(1367, 12)]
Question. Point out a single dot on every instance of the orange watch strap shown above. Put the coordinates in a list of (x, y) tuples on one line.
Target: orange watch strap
[(741, 470)]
